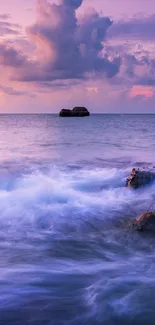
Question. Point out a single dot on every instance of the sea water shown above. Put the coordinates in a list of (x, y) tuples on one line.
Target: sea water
[(67, 254)]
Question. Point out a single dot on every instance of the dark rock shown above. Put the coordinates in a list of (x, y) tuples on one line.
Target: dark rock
[(140, 178), (146, 221), (65, 113), (75, 112), (80, 111)]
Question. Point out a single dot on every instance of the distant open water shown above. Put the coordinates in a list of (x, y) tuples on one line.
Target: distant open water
[(67, 255)]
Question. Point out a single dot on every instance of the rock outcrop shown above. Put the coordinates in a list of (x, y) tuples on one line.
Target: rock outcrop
[(80, 111), (146, 221), (75, 112), (140, 178), (65, 113)]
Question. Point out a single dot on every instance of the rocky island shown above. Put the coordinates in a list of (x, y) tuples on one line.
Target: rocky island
[(75, 112)]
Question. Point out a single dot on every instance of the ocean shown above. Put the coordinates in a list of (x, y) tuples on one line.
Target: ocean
[(67, 254)]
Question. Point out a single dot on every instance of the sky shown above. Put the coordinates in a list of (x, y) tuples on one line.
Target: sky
[(60, 54)]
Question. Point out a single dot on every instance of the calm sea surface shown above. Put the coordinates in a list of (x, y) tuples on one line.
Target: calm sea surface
[(67, 255)]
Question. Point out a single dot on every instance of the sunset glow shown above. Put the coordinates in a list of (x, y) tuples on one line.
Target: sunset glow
[(79, 52)]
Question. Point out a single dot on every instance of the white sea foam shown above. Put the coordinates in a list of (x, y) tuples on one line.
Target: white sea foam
[(58, 197)]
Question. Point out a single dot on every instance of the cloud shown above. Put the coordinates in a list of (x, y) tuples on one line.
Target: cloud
[(10, 57), (141, 91), (8, 28), (72, 3), (13, 92), (5, 16), (68, 48), (138, 27), (137, 65), (141, 70)]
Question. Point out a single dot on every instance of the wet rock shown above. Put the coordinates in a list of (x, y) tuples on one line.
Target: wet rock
[(75, 112), (146, 221), (140, 178)]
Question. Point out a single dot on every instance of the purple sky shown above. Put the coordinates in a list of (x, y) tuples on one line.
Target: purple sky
[(58, 54)]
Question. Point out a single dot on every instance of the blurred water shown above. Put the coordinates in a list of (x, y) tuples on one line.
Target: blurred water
[(67, 255)]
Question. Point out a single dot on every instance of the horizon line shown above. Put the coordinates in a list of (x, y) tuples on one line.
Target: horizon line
[(98, 113)]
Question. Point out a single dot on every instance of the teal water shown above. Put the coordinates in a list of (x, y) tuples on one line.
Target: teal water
[(66, 253)]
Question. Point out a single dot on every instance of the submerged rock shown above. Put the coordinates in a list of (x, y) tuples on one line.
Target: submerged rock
[(140, 178), (75, 112), (146, 221)]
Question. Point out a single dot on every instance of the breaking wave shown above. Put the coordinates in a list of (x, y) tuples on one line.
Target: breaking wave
[(69, 198)]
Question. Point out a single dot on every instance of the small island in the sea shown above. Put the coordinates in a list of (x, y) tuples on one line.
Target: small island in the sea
[(75, 112)]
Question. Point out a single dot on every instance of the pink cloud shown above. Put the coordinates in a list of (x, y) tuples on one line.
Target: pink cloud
[(143, 91)]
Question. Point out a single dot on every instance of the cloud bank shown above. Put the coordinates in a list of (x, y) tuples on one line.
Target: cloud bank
[(69, 48), (65, 47), (138, 27)]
